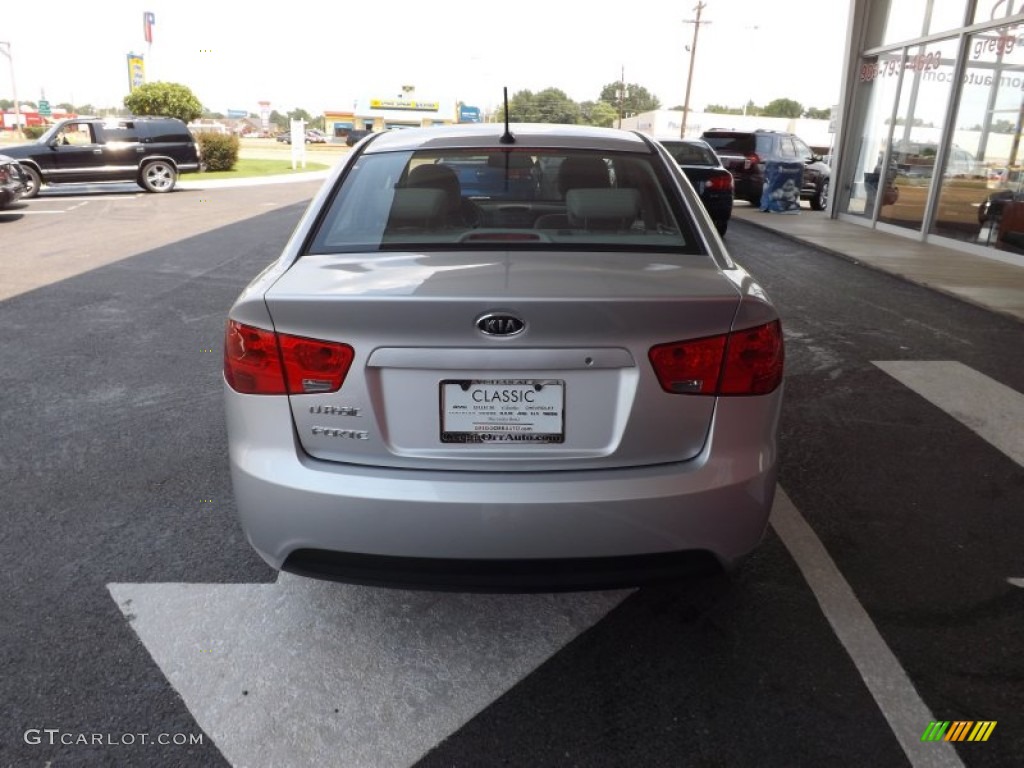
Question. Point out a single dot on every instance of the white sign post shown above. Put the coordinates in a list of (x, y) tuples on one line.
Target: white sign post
[(298, 143)]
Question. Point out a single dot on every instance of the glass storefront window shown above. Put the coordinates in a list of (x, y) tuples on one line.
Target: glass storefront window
[(917, 133), (879, 81), (993, 10), (946, 16), (907, 19), (983, 180)]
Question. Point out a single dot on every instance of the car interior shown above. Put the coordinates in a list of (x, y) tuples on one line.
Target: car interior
[(503, 198)]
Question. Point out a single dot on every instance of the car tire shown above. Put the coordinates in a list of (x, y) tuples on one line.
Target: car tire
[(158, 176), (722, 225), (35, 181), (820, 200)]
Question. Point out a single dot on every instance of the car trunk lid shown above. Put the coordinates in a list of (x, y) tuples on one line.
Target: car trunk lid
[(497, 360)]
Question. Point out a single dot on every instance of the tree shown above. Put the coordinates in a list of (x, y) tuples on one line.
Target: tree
[(300, 114), (818, 114), (278, 120), (638, 99), (783, 108), (599, 113), (213, 115), (168, 99), (548, 106), (66, 106), (721, 109)]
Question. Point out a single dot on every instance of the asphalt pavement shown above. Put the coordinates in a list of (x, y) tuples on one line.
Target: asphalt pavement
[(887, 593)]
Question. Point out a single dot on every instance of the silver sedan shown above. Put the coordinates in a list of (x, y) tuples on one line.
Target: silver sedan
[(515, 359)]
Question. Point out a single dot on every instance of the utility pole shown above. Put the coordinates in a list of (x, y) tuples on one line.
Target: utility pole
[(5, 49), (693, 55), (623, 93)]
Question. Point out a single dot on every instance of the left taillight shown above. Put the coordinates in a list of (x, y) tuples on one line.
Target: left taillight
[(747, 362), (261, 362)]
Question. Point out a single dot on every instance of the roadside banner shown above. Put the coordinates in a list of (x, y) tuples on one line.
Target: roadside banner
[(136, 71)]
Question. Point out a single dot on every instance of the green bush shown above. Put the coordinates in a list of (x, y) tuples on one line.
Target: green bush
[(33, 131), (220, 151)]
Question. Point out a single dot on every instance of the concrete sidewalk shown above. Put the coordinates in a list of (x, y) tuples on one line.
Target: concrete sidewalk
[(985, 282)]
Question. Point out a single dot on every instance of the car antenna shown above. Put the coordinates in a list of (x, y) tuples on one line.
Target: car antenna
[(507, 137)]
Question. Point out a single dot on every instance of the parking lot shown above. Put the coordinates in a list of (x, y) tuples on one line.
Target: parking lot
[(886, 595)]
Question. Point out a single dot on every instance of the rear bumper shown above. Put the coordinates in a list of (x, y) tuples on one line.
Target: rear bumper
[(10, 194), (509, 530)]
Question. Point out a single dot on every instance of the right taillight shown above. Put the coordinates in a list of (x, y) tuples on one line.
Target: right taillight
[(753, 361), (720, 182), (751, 160), (747, 362), (261, 362)]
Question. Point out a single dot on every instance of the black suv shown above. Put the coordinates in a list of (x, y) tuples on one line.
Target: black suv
[(745, 153), (150, 151)]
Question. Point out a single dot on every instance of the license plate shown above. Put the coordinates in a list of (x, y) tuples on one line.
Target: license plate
[(502, 411)]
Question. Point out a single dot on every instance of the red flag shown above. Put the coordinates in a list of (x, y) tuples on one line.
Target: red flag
[(148, 20)]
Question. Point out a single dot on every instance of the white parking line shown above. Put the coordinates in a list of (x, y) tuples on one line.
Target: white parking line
[(985, 406), (302, 672), (888, 683), (75, 198)]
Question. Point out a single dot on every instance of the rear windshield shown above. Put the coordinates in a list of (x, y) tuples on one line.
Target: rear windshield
[(506, 199), (686, 153), (731, 143)]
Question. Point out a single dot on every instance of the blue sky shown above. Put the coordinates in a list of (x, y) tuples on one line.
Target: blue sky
[(324, 55)]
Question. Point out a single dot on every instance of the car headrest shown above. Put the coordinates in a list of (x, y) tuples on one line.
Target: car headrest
[(602, 208), (416, 208), (437, 177), (583, 172)]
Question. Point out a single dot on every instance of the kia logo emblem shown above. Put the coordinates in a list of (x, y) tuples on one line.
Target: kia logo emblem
[(500, 324)]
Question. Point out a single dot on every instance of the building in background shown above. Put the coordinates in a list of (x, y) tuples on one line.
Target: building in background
[(930, 132), (380, 113)]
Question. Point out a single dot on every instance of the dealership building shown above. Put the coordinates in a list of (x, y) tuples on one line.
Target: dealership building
[(929, 136)]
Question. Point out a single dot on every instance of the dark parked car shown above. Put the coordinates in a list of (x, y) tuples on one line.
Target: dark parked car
[(13, 182), (709, 177), (355, 136), (744, 154), (526, 385), (151, 151)]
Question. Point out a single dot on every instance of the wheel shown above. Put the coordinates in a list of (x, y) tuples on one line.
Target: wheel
[(820, 200), (721, 225), (34, 181), (158, 176)]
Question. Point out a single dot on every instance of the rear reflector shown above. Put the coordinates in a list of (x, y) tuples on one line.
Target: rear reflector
[(747, 362), (689, 367), (260, 362)]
